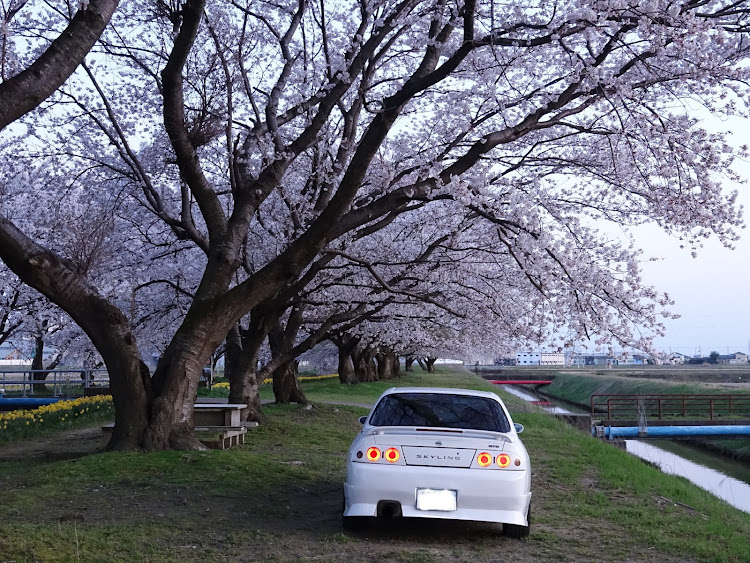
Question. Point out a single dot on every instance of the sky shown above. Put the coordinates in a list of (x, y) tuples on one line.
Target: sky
[(711, 290), (710, 293)]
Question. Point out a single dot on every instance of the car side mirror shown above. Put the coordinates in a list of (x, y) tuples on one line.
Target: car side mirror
[(362, 419), (518, 427)]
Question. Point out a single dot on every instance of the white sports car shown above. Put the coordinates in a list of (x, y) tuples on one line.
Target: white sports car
[(439, 453)]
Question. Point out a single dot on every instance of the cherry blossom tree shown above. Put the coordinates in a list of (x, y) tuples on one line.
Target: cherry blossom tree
[(315, 124), (11, 291)]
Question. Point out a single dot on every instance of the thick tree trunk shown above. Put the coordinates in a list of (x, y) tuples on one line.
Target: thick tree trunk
[(106, 326), (286, 387), (408, 363), (430, 363), (395, 363), (175, 381), (385, 363), (346, 370), (241, 364), (363, 358), (345, 345), (422, 364)]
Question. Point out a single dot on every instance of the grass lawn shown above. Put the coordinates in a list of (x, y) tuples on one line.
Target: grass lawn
[(278, 498)]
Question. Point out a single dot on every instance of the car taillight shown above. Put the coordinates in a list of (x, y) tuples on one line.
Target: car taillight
[(484, 459), (373, 454), (392, 455), (503, 460)]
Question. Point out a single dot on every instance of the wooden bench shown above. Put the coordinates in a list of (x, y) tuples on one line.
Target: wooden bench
[(221, 420)]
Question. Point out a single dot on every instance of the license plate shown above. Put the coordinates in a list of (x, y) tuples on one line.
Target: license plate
[(436, 499)]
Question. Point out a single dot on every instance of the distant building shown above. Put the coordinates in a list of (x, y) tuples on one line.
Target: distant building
[(12, 356), (736, 358), (630, 360), (540, 359), (676, 359), (596, 360)]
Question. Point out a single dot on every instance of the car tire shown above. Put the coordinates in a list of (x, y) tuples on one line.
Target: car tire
[(517, 531)]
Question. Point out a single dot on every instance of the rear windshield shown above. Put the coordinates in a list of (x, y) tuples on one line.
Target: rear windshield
[(440, 410)]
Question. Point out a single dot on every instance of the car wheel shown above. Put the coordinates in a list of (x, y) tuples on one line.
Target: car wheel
[(516, 531)]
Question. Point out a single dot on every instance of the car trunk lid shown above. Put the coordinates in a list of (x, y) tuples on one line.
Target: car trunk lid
[(448, 447)]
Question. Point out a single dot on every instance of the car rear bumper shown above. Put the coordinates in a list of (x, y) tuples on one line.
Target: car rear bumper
[(482, 495)]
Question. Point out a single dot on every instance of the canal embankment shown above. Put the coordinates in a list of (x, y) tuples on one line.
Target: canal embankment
[(575, 388)]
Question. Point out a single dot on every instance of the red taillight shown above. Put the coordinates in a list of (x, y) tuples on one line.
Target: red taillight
[(503, 460), (392, 455), (484, 459), (373, 454)]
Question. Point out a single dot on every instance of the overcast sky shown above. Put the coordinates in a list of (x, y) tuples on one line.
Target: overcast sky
[(710, 291), (710, 294)]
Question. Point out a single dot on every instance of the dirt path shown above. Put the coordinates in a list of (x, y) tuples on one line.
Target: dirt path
[(58, 446)]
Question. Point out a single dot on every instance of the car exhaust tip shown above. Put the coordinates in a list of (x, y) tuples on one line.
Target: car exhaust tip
[(389, 509)]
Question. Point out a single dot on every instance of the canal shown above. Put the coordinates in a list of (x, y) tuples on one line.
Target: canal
[(724, 478)]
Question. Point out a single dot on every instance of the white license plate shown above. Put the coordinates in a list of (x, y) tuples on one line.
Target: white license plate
[(436, 499)]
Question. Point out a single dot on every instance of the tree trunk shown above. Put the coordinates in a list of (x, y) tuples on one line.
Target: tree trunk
[(346, 369), (385, 364), (363, 358), (395, 363), (38, 370), (430, 363), (380, 365), (37, 365), (241, 362), (422, 364), (408, 361), (345, 345), (286, 387)]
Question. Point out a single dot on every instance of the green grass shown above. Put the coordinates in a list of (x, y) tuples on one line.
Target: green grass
[(328, 390), (579, 387), (332, 390), (277, 498)]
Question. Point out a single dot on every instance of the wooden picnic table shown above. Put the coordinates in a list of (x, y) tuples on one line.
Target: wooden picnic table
[(223, 420)]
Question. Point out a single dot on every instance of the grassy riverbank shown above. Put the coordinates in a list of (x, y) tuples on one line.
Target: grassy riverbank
[(278, 499), (579, 386)]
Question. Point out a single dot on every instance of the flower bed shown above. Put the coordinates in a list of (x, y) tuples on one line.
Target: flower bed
[(63, 414), (225, 384)]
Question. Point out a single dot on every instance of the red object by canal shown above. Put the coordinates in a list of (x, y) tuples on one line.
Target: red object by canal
[(521, 381)]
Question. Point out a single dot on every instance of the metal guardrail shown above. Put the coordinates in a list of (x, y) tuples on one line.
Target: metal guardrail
[(669, 406), (62, 382)]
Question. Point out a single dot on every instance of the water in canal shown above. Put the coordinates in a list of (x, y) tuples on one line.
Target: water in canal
[(735, 489)]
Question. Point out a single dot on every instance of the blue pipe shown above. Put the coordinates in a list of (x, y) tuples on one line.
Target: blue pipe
[(13, 403), (658, 431)]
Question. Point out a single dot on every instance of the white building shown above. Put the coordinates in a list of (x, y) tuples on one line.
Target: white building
[(11, 356), (540, 359)]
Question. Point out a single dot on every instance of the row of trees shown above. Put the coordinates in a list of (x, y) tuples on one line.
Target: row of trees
[(414, 177)]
